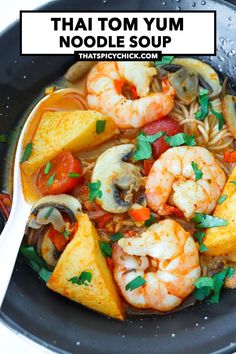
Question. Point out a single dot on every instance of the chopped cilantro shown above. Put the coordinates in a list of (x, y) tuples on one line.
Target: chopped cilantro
[(51, 180), (27, 152), (48, 212), (198, 173), (166, 59), (117, 236), (180, 139), (47, 168), (74, 175), (83, 279), (150, 221), (135, 283), (144, 149), (210, 287), (233, 182), (222, 199), (94, 190), (199, 235), (206, 221), (105, 247), (36, 262), (100, 126)]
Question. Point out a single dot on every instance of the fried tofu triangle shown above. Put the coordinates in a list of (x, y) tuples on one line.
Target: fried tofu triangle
[(222, 240), (66, 131), (82, 255)]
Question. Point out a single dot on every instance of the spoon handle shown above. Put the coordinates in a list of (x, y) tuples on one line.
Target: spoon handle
[(10, 241)]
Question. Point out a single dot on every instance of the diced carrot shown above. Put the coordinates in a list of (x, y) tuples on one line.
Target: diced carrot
[(58, 239), (230, 156), (140, 214)]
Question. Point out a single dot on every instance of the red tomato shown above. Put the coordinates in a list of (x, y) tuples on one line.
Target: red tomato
[(167, 125), (58, 180), (147, 165)]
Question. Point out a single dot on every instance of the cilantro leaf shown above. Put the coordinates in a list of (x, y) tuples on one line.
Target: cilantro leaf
[(105, 247), (204, 287), (203, 100), (83, 279), (233, 182), (45, 274), (211, 286), (198, 173), (94, 190), (37, 263), (100, 126), (144, 149), (199, 235), (180, 139), (206, 221), (166, 59), (218, 115), (222, 199), (150, 221), (48, 212), (219, 280), (117, 236), (27, 152), (135, 283)]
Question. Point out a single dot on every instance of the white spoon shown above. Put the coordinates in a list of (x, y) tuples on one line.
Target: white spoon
[(12, 235)]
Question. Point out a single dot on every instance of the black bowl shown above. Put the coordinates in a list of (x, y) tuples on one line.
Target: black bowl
[(52, 320)]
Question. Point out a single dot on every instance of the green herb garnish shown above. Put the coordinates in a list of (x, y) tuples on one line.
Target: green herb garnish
[(3, 138), (48, 213), (51, 180), (27, 152), (211, 286), (199, 235), (205, 106), (105, 247), (144, 148), (166, 59), (222, 199), (198, 173), (180, 139), (203, 100), (135, 283), (36, 262), (117, 236), (233, 182), (218, 115), (83, 279), (150, 221), (94, 190), (206, 221), (74, 175), (47, 168), (100, 126), (66, 234)]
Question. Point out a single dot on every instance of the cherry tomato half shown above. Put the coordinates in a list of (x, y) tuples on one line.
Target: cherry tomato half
[(62, 175), (167, 125)]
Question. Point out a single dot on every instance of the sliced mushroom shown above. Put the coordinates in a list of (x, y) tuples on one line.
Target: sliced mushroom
[(185, 83), (229, 113), (78, 70), (208, 77), (119, 178), (47, 250)]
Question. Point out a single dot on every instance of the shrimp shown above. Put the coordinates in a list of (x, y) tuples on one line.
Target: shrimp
[(172, 180), (104, 86), (166, 257)]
